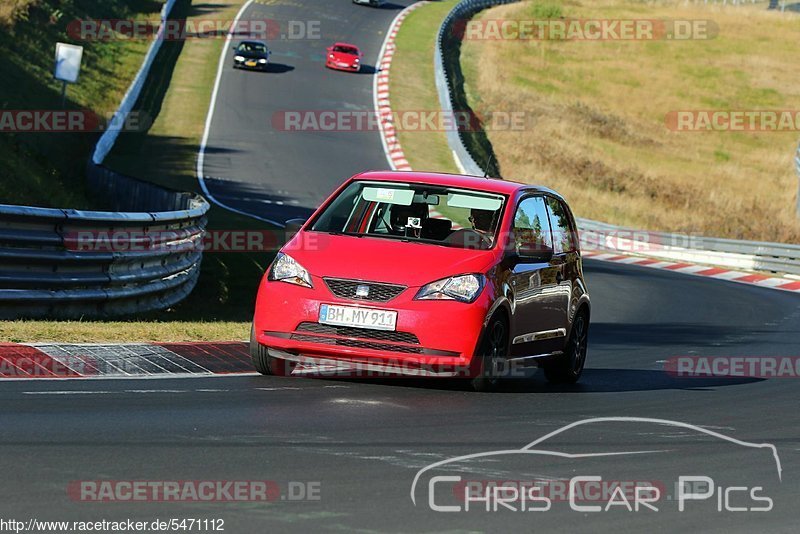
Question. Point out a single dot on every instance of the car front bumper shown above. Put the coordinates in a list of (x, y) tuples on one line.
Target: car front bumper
[(432, 338)]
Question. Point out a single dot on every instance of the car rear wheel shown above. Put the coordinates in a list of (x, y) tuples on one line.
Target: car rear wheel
[(493, 352), (263, 362), (568, 367)]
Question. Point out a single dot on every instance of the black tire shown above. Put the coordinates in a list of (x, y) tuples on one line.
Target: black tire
[(263, 362), (493, 351), (567, 368)]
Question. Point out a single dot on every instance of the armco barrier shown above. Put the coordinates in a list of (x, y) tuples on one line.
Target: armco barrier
[(748, 255), (444, 80), (109, 137), (65, 263)]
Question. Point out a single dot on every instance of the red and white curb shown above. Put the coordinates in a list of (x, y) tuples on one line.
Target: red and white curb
[(695, 269), (123, 360), (383, 109)]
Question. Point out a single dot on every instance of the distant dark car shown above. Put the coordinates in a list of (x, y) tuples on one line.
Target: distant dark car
[(251, 55), (373, 3)]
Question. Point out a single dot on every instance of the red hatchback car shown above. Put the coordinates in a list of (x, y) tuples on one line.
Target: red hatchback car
[(423, 274), (343, 56)]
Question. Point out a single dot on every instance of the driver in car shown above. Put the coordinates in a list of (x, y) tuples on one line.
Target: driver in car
[(483, 223)]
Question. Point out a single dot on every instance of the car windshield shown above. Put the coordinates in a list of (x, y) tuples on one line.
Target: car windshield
[(252, 47), (414, 212), (346, 50)]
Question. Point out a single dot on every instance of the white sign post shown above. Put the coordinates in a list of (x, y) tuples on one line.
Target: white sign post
[(68, 65)]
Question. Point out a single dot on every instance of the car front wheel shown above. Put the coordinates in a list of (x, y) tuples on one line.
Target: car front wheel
[(493, 352), (263, 362)]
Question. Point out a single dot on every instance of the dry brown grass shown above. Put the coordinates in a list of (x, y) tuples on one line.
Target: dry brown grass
[(598, 132), (11, 10)]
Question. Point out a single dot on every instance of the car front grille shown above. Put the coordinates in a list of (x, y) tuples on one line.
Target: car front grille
[(348, 331), (377, 292), (356, 343), (357, 338)]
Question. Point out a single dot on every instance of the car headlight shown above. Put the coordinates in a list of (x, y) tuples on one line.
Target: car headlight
[(262, 61), (286, 269), (464, 288), (356, 60), (238, 58)]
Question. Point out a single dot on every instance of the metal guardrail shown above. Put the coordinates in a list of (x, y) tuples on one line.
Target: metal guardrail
[(444, 81), (748, 255), (66, 263), (109, 137)]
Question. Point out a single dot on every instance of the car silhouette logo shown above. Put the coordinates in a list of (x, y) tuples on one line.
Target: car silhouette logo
[(362, 291)]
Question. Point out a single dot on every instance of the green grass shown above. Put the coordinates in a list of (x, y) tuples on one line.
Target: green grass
[(48, 169), (412, 86)]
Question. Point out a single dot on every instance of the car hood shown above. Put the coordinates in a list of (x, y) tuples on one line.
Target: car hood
[(383, 260)]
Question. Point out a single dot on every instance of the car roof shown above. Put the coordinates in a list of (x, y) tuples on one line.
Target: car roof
[(345, 44), (253, 43), (491, 185)]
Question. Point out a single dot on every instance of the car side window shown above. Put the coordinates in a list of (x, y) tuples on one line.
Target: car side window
[(531, 227), (563, 238)]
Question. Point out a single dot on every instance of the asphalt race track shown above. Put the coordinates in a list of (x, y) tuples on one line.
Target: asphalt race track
[(364, 441), (358, 444), (251, 162)]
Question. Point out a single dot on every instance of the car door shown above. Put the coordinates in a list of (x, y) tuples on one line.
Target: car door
[(565, 259), (534, 280)]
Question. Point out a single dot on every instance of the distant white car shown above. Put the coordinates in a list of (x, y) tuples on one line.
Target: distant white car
[(373, 3)]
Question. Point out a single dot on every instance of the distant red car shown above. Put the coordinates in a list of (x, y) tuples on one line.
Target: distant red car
[(427, 275), (343, 56)]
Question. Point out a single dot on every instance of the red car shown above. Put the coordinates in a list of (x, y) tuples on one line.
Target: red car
[(343, 56), (422, 274)]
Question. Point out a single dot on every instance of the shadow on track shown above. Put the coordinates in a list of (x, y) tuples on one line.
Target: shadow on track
[(592, 381)]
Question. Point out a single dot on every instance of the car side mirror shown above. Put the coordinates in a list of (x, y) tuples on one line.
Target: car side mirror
[(534, 253), (293, 226)]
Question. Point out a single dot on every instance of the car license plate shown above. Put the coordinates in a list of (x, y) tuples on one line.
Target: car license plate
[(358, 317), (250, 63)]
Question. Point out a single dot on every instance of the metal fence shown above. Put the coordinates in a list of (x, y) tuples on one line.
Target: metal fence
[(66, 263)]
